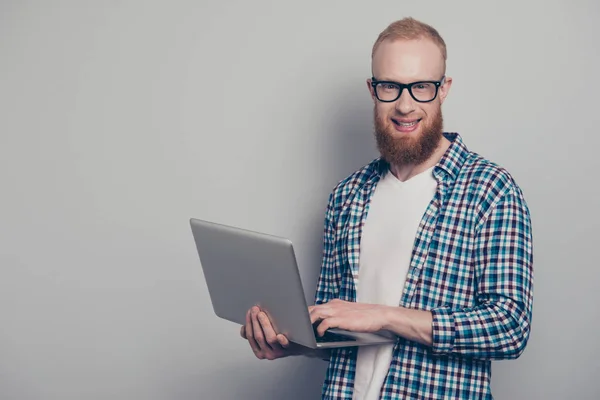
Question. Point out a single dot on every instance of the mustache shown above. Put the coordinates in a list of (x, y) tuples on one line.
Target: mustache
[(396, 115), (401, 115)]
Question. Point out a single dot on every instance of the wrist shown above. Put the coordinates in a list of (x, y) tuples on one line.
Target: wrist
[(391, 318)]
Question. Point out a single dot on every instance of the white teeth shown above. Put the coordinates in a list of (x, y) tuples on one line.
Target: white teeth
[(407, 123)]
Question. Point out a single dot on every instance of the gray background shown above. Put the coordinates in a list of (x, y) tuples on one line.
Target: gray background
[(120, 120)]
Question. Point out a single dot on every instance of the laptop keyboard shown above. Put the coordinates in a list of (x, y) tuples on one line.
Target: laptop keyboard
[(329, 337)]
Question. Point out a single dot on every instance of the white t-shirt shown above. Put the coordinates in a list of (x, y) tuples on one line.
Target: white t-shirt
[(387, 241)]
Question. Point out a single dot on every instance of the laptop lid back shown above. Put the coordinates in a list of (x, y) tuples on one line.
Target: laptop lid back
[(244, 268)]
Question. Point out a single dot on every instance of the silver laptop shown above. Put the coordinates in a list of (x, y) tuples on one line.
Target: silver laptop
[(244, 268)]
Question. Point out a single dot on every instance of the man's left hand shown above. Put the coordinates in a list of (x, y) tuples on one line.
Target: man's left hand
[(350, 316)]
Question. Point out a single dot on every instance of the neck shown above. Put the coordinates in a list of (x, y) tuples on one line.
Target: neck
[(406, 171)]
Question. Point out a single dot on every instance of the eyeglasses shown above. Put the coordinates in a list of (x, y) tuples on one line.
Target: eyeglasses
[(422, 91)]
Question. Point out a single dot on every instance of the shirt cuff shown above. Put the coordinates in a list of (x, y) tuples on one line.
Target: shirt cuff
[(443, 330)]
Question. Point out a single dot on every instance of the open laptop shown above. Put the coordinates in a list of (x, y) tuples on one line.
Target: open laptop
[(244, 268)]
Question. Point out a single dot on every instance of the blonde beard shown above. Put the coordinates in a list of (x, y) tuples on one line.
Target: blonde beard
[(405, 151)]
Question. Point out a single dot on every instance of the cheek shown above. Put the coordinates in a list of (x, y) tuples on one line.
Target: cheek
[(384, 111), (428, 110), (433, 108)]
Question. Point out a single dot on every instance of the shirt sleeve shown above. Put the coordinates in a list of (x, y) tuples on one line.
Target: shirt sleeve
[(498, 326), (327, 276)]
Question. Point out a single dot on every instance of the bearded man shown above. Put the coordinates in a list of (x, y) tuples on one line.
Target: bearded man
[(430, 242)]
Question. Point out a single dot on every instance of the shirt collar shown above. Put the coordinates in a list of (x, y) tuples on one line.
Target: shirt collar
[(455, 156)]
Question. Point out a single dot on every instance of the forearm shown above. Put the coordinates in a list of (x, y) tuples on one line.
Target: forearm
[(415, 325), (490, 331)]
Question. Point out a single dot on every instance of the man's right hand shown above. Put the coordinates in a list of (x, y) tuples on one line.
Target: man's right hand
[(264, 341)]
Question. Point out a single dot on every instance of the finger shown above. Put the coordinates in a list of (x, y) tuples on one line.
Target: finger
[(326, 324), (250, 334), (313, 313), (259, 335), (319, 313), (243, 332), (267, 328), (283, 341)]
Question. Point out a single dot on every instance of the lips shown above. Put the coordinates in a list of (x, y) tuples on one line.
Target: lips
[(405, 125)]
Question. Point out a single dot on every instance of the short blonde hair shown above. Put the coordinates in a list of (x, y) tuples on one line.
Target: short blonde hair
[(411, 29)]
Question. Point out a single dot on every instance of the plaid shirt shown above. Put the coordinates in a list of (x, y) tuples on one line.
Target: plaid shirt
[(471, 268)]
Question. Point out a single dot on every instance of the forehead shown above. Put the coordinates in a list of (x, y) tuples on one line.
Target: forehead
[(408, 61)]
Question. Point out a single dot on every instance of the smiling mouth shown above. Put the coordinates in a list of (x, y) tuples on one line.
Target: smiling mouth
[(406, 124), (406, 127)]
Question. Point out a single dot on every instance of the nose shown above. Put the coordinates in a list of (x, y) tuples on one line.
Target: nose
[(405, 103)]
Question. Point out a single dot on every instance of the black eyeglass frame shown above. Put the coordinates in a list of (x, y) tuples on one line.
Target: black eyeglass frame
[(402, 86)]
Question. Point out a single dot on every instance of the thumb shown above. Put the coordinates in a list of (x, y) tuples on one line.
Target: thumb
[(283, 341)]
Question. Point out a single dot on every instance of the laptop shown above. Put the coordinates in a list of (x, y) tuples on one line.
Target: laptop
[(243, 268)]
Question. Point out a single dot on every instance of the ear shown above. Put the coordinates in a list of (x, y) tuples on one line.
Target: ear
[(371, 90), (445, 88)]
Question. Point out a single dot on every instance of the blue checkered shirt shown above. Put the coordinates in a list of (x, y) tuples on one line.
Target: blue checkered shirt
[(471, 268)]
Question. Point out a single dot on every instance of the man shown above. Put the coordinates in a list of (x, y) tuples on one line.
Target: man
[(431, 242)]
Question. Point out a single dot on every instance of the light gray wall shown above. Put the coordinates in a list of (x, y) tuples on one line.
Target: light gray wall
[(120, 120)]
